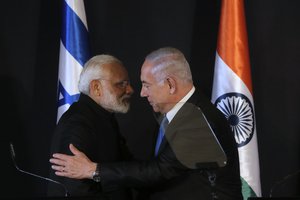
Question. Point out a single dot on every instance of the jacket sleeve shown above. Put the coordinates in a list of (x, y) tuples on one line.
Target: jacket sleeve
[(138, 174)]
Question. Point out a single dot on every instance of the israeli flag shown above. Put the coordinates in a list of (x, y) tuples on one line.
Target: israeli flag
[(74, 52)]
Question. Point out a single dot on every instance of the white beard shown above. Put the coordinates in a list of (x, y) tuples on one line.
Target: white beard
[(111, 102)]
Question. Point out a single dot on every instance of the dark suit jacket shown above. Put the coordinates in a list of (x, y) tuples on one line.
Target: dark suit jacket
[(174, 174), (94, 131)]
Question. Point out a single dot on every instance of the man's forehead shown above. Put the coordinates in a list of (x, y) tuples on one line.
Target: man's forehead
[(114, 69)]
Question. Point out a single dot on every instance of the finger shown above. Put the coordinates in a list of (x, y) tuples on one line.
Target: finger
[(61, 173), (57, 162), (60, 156), (58, 168)]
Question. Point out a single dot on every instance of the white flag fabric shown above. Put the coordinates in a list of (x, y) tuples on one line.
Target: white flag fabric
[(74, 52), (232, 91)]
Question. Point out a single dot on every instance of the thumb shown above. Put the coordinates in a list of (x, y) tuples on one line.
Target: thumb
[(74, 150)]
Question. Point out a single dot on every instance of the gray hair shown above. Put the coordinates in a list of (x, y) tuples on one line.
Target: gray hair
[(93, 69), (170, 61)]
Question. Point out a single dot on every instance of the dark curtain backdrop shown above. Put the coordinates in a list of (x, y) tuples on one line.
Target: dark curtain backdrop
[(129, 29)]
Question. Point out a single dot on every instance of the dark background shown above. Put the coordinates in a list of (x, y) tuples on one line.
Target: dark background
[(129, 29)]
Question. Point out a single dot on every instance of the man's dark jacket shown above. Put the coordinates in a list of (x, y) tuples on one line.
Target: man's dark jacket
[(170, 176), (94, 131)]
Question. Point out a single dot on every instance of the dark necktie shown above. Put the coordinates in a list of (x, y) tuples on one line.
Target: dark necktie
[(161, 133)]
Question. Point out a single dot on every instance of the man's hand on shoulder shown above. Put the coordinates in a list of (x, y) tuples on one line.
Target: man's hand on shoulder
[(77, 166)]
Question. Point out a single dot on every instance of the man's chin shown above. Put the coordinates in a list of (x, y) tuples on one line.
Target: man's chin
[(124, 108), (155, 108)]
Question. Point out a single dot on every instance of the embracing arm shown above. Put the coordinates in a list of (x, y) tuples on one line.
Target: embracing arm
[(79, 166), (120, 174)]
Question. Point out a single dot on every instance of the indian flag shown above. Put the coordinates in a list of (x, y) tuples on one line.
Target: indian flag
[(232, 91)]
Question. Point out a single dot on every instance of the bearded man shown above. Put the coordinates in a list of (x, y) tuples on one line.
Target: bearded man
[(91, 126)]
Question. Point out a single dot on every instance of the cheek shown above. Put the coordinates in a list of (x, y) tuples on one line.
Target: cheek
[(117, 92), (158, 96), (152, 93)]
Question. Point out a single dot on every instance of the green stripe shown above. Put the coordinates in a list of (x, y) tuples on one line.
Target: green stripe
[(247, 191)]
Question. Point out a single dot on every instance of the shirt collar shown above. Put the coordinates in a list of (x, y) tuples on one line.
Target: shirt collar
[(170, 115)]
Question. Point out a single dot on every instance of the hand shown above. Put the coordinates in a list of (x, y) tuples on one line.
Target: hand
[(78, 166)]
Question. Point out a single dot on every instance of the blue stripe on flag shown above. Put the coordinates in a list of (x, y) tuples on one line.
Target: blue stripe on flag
[(73, 30), (67, 98)]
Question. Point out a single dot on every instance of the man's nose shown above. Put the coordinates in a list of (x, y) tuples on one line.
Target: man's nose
[(143, 93)]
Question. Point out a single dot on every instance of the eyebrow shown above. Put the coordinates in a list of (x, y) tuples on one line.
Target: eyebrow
[(127, 80)]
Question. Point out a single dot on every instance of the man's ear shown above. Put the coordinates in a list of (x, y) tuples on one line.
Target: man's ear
[(172, 84), (95, 88)]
